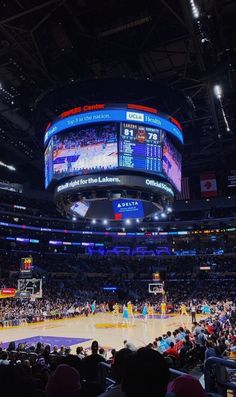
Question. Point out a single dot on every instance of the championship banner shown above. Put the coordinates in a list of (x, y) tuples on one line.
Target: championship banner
[(184, 194), (208, 184)]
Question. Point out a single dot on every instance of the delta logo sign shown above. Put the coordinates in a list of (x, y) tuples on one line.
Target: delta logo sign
[(127, 209)]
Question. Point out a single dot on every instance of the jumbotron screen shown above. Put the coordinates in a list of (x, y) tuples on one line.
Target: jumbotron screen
[(82, 151), (134, 141), (172, 162)]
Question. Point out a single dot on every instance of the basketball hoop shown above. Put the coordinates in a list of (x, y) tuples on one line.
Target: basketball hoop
[(155, 290)]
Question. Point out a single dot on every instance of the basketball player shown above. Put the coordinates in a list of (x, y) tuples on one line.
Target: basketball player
[(193, 312), (125, 314), (163, 308), (150, 311), (145, 312), (116, 309), (183, 310), (130, 309), (93, 307), (86, 309)]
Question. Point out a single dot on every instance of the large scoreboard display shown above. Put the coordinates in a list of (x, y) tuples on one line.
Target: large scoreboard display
[(113, 139), (140, 148)]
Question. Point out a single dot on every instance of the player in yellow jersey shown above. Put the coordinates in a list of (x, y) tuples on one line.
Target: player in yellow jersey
[(130, 309), (150, 311), (183, 310), (163, 308), (116, 309)]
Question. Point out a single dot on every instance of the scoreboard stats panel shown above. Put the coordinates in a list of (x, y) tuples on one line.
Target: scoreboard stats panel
[(26, 266), (140, 148)]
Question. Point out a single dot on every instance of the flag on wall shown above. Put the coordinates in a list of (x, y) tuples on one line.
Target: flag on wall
[(185, 193), (208, 184)]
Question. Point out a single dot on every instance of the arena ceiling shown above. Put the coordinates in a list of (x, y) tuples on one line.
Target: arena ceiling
[(50, 49)]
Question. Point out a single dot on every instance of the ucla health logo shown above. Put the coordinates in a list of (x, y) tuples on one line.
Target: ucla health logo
[(134, 116)]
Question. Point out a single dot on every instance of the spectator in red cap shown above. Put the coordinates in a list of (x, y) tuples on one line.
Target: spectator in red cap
[(186, 386), (64, 382)]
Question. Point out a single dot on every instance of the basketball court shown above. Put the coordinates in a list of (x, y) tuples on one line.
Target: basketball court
[(109, 331)]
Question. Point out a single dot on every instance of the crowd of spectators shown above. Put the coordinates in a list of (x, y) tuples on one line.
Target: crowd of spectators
[(69, 287), (54, 371)]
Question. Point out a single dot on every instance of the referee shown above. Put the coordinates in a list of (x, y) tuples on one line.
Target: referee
[(193, 312)]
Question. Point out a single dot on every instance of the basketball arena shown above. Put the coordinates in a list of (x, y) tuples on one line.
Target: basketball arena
[(118, 198)]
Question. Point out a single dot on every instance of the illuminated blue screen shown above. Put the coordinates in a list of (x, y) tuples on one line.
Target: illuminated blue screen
[(122, 115), (140, 148), (127, 209)]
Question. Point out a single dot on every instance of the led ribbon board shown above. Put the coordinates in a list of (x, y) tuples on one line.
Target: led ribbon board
[(109, 115)]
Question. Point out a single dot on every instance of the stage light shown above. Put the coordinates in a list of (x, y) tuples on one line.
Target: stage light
[(137, 221), (195, 10), (217, 91), (156, 217), (169, 210), (74, 218), (163, 215), (128, 221), (105, 221), (9, 167), (94, 221)]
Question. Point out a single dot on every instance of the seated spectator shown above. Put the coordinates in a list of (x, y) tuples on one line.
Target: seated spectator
[(11, 346), (146, 374), (80, 352), (64, 382), (55, 350), (186, 386), (201, 338), (62, 351), (90, 364), (111, 359), (39, 348), (4, 358), (196, 330), (118, 373), (129, 345), (172, 351), (210, 350), (189, 344), (222, 346), (170, 338), (163, 346), (102, 352)]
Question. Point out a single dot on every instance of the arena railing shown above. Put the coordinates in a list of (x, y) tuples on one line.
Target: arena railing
[(217, 373), (105, 377)]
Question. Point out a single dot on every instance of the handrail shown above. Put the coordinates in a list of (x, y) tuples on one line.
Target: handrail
[(217, 363), (105, 367)]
